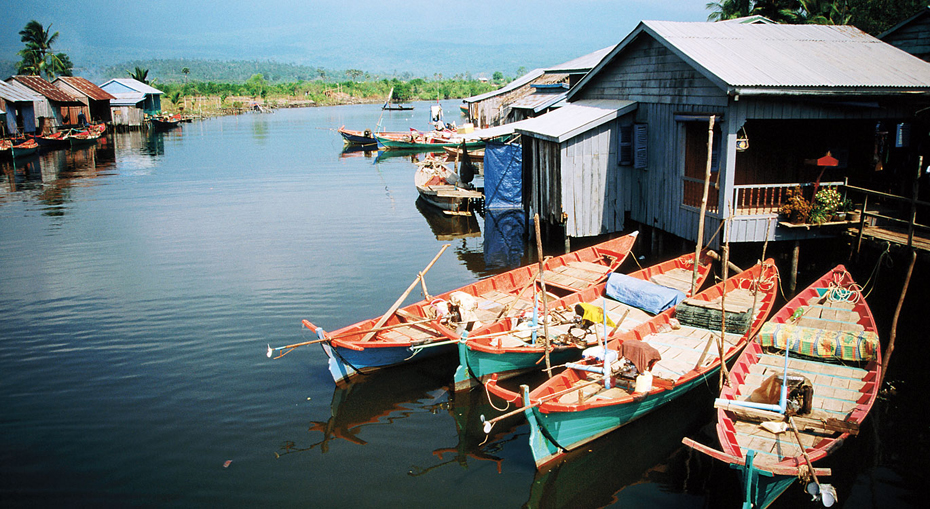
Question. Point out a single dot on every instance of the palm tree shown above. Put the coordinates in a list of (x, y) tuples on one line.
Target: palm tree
[(186, 71), (38, 57), (729, 9), (139, 74), (822, 12)]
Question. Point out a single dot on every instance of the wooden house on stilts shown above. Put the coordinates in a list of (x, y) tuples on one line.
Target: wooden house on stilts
[(630, 147)]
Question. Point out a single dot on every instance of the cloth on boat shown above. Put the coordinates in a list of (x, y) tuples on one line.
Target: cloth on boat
[(825, 344), (593, 314), (644, 295), (466, 306), (597, 353), (641, 354)]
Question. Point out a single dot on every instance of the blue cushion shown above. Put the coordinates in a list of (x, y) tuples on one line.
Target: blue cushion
[(644, 295)]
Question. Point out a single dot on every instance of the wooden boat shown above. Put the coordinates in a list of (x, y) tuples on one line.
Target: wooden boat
[(507, 351), (164, 123), (83, 139), (423, 329), (455, 154), (440, 187), (24, 148), (674, 352), (833, 370), (52, 141), (396, 107), (351, 137), (433, 140)]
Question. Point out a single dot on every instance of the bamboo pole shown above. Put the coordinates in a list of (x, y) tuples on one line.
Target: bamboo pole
[(700, 238), (400, 300), (897, 313), (542, 284)]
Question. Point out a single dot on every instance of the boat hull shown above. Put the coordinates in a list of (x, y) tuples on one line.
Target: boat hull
[(476, 367), (392, 144), (345, 363), (553, 434)]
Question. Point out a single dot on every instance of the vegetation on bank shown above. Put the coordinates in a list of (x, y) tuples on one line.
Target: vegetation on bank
[(209, 97)]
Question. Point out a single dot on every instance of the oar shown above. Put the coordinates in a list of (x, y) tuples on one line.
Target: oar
[(488, 424), (522, 291), (405, 294)]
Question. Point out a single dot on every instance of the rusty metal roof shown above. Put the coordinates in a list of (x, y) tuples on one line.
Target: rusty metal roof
[(87, 88), (513, 85), (779, 59), (45, 88)]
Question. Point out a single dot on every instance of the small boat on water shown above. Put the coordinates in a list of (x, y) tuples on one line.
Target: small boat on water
[(456, 154), (510, 346), (357, 137), (52, 141), (429, 327), (82, 139), (443, 188), (20, 148), (165, 122), (433, 140), (644, 368), (799, 390)]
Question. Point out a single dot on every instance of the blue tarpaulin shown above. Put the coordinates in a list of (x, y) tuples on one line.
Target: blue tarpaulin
[(644, 295), (503, 176), (504, 238)]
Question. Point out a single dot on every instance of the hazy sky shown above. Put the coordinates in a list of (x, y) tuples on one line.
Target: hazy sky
[(405, 35)]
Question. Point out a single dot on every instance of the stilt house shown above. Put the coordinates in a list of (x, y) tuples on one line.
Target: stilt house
[(53, 107), (18, 110), (770, 102), (95, 100)]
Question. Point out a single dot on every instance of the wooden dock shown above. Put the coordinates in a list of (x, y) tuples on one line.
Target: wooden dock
[(894, 236)]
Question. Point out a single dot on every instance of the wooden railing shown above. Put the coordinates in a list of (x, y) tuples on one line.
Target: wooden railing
[(768, 198), (909, 211)]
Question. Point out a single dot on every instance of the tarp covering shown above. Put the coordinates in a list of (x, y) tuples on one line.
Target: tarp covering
[(504, 238), (644, 295), (503, 176), (825, 344)]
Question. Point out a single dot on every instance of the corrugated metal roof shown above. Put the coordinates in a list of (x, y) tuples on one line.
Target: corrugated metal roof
[(574, 118), (496, 131), (817, 56), (127, 99), (45, 88), (539, 100), (581, 64), (13, 94), (87, 88), (132, 84), (513, 85)]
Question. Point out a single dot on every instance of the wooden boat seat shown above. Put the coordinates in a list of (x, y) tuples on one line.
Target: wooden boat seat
[(681, 349), (679, 279), (576, 276)]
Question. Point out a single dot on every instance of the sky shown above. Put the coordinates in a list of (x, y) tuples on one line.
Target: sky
[(416, 36)]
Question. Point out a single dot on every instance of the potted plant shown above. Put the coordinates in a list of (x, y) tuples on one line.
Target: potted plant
[(796, 208), (827, 203), (851, 213)]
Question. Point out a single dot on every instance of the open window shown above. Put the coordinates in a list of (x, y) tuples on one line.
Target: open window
[(696, 164)]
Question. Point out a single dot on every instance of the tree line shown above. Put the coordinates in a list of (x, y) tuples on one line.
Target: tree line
[(871, 16)]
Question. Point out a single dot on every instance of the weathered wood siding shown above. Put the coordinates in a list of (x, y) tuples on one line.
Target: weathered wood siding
[(913, 38), (126, 115), (649, 72), (592, 195), (544, 177)]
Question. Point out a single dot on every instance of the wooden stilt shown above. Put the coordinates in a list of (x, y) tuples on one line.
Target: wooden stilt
[(793, 277), (699, 242)]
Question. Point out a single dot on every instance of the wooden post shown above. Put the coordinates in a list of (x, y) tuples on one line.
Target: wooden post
[(793, 277), (700, 236), (723, 316), (913, 218), (542, 284), (897, 313)]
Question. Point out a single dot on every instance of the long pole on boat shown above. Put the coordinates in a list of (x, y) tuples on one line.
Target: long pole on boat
[(723, 315), (700, 237), (542, 284), (400, 300)]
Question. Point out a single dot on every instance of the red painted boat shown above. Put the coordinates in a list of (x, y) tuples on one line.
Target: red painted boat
[(833, 365), (429, 327)]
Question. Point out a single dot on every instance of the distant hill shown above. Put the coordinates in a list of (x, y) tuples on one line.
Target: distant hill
[(7, 69)]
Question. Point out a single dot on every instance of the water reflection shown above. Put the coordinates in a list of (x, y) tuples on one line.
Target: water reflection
[(504, 238), (378, 398), (448, 227)]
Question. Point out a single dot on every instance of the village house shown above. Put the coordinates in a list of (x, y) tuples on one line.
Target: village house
[(53, 108), (911, 35), (17, 111), (780, 106), (95, 100), (530, 95), (132, 101)]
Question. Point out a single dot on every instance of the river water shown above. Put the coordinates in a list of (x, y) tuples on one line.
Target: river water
[(142, 280)]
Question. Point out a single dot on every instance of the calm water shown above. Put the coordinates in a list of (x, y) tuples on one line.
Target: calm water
[(141, 280)]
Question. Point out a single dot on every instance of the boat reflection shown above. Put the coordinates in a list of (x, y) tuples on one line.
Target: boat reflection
[(448, 227), (504, 238), (466, 408), (378, 398), (646, 451)]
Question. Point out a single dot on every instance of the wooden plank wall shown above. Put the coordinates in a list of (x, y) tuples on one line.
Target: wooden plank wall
[(913, 38), (592, 197)]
